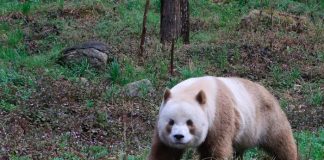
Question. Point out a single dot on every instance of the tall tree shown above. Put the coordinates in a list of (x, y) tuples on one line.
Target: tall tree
[(170, 20), (185, 25), (174, 20)]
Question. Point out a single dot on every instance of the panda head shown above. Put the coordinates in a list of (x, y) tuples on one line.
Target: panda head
[(182, 120)]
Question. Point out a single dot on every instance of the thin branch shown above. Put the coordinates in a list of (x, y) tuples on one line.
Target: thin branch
[(147, 5)]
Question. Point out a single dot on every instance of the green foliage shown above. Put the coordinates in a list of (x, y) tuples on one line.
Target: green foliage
[(25, 8), (189, 73), (60, 4), (4, 27), (12, 55), (96, 152), (313, 94), (8, 107), (9, 76), (236, 55), (254, 153), (9, 5), (276, 72), (317, 98), (283, 103), (222, 59), (201, 37), (320, 56), (15, 157), (15, 37), (172, 81), (143, 90), (35, 61), (111, 92), (102, 118), (12, 84), (64, 140), (284, 79), (115, 71), (90, 103), (127, 73), (70, 156), (310, 144), (142, 156), (82, 69)]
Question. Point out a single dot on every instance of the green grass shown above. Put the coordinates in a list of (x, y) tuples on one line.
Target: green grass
[(15, 157), (115, 71), (142, 156), (8, 107), (14, 38), (284, 79), (315, 96), (317, 99), (13, 83), (189, 73), (112, 92), (96, 152), (310, 144)]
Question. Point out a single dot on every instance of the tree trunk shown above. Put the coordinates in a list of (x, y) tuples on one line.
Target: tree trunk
[(147, 5), (185, 27), (171, 58), (170, 20)]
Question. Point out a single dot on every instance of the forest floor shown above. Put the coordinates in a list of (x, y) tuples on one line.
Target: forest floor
[(51, 111)]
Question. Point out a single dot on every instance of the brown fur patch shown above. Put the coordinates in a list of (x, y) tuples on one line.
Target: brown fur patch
[(167, 95), (277, 140), (218, 143), (201, 97), (192, 129), (168, 128), (160, 151)]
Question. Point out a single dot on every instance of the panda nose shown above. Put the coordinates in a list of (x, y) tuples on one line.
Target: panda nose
[(178, 136)]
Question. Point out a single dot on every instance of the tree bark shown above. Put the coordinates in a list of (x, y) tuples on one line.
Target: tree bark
[(170, 20), (185, 25), (172, 57), (147, 5)]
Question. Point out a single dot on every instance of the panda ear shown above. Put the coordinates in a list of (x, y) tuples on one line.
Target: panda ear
[(167, 95), (201, 97)]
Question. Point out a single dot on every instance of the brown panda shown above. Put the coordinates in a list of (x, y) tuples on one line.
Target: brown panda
[(221, 117)]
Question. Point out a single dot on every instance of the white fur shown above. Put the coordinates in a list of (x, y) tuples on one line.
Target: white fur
[(180, 112), (246, 108), (180, 129), (189, 88)]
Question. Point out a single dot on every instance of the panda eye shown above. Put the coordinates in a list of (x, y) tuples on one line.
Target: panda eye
[(171, 122), (189, 122)]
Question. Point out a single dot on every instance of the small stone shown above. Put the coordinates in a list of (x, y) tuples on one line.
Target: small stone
[(291, 107), (84, 81), (138, 88), (298, 88)]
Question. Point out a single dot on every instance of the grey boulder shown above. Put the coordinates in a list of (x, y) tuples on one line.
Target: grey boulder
[(96, 53)]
